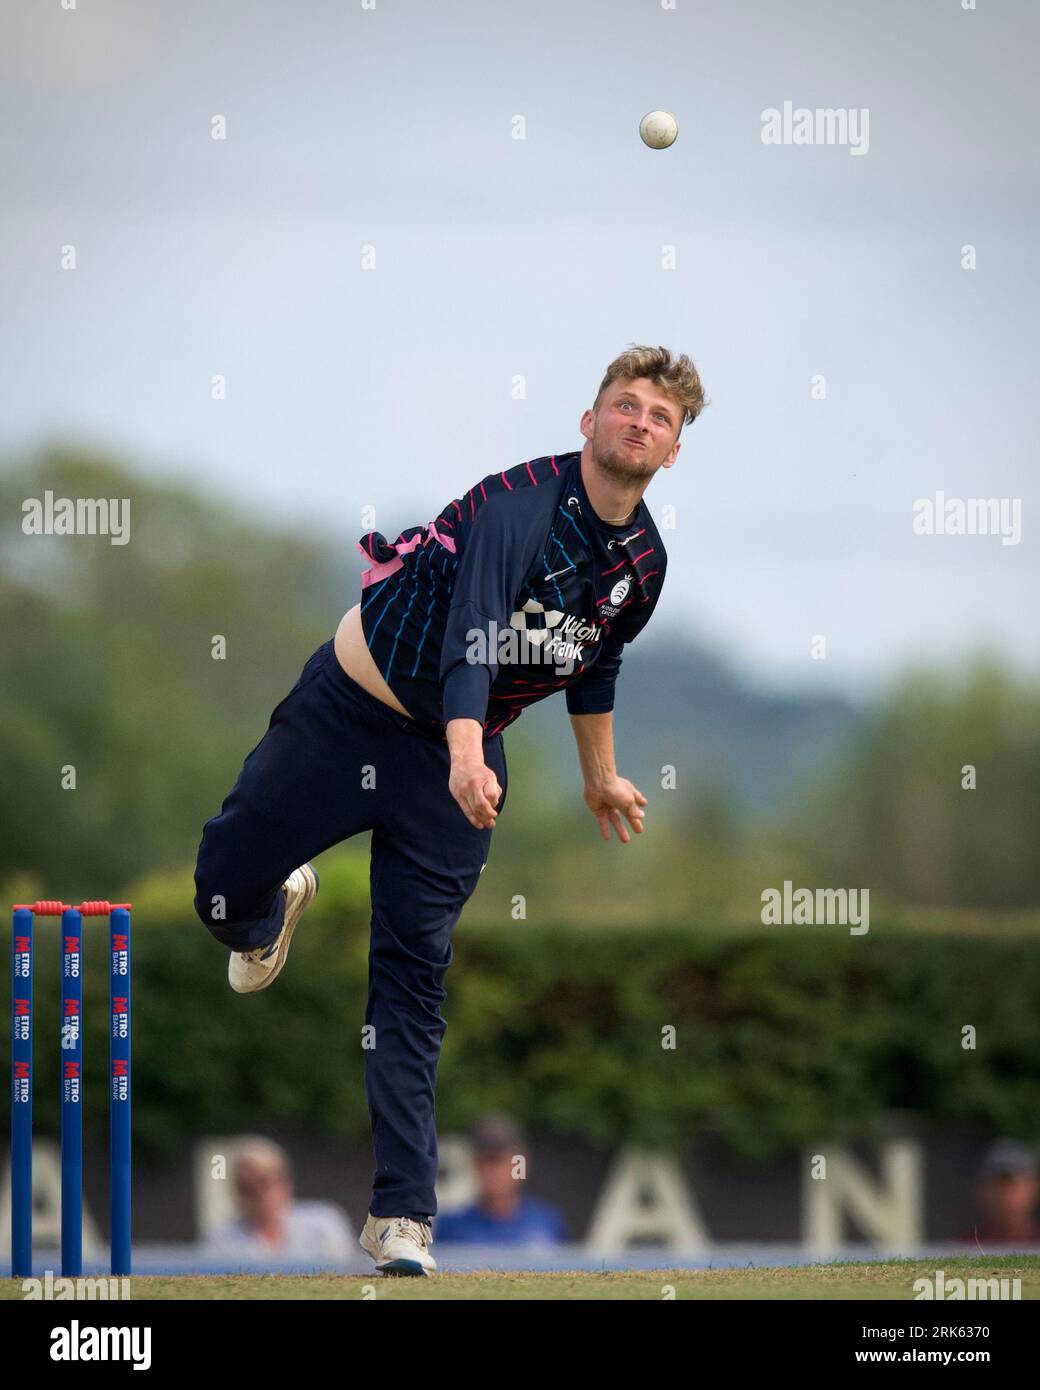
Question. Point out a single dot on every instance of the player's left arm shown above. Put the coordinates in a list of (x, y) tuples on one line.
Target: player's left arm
[(590, 704), (608, 796)]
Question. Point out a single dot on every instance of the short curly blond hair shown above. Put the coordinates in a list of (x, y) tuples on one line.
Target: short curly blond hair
[(677, 377)]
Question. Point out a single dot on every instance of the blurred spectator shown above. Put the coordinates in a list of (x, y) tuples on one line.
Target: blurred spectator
[(271, 1224), (503, 1214), (1007, 1192)]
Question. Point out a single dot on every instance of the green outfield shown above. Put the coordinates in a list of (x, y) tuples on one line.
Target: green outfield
[(890, 1279)]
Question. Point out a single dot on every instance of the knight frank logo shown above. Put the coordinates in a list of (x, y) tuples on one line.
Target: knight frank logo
[(535, 636)]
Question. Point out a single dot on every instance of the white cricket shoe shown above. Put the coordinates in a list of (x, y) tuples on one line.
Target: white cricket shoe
[(249, 971), (399, 1245)]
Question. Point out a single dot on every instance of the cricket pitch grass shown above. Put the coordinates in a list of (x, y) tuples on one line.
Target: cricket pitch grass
[(890, 1279)]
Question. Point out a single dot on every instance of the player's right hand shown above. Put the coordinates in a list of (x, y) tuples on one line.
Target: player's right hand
[(475, 787)]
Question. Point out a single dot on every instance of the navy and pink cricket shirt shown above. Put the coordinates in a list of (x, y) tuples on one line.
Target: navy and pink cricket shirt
[(521, 553)]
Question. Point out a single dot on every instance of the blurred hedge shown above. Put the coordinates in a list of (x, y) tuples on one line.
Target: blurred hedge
[(784, 1036)]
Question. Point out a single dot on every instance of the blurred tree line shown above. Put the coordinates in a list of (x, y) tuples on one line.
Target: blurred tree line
[(938, 800), (107, 675), (781, 1038)]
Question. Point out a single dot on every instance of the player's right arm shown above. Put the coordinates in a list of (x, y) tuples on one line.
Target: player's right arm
[(499, 551), (471, 782)]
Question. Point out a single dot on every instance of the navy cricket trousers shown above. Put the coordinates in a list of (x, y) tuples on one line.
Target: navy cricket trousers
[(336, 761)]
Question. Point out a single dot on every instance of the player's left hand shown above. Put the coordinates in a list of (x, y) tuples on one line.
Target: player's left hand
[(609, 801)]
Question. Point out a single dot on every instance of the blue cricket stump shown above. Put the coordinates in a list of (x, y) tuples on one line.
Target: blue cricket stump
[(71, 1061)]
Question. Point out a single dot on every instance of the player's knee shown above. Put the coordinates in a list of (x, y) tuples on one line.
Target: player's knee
[(210, 906), (211, 895)]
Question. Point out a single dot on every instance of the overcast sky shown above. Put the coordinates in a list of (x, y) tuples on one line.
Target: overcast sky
[(392, 127)]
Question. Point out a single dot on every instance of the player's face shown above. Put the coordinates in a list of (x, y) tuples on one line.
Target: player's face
[(633, 431)]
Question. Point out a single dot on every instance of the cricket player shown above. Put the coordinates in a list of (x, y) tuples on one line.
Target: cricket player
[(532, 582)]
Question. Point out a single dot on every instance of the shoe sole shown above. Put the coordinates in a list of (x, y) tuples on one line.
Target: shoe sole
[(399, 1268), (403, 1269), (292, 917)]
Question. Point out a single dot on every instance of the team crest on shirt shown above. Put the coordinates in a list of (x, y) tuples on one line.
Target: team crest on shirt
[(618, 595)]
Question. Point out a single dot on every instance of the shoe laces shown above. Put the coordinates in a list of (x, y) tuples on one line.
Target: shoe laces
[(404, 1228), (260, 953)]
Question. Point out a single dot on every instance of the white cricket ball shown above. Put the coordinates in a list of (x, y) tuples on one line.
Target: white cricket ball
[(658, 129)]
